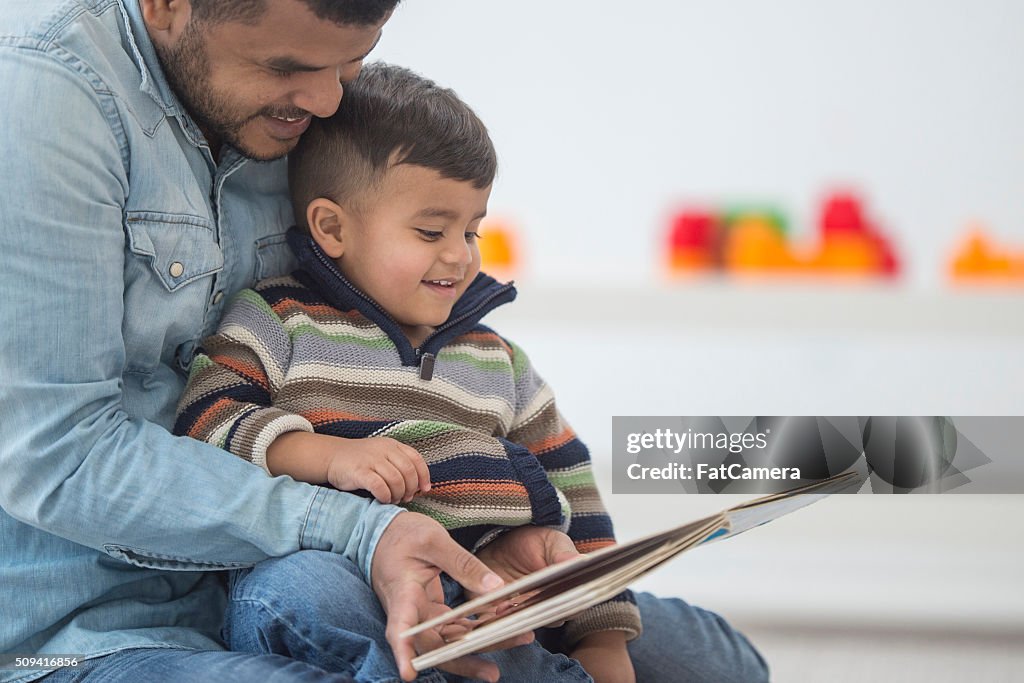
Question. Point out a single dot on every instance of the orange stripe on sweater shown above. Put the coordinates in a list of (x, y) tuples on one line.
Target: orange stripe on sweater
[(552, 442), (319, 311), (592, 544), (324, 415), (490, 337), (251, 372), (488, 486), (210, 417)]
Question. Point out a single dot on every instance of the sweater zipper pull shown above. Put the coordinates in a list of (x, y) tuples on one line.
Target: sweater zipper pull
[(427, 366)]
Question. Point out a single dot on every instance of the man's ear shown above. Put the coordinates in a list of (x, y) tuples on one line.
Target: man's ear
[(326, 222), (166, 19)]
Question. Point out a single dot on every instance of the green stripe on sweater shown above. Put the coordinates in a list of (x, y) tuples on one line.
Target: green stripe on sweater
[(381, 343), (572, 479), (415, 430), (491, 364)]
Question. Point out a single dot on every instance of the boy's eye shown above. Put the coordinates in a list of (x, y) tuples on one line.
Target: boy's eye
[(472, 235), (430, 234)]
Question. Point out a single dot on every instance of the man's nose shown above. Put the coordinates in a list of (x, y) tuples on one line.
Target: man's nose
[(321, 94)]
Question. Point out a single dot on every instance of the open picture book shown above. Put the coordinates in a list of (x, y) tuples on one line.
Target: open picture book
[(556, 593)]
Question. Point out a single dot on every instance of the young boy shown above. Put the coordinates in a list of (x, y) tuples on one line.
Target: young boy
[(368, 369)]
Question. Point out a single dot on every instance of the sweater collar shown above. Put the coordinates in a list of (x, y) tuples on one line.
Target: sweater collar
[(318, 270)]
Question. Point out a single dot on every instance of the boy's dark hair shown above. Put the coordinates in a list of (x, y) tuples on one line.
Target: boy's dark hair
[(349, 12), (388, 116)]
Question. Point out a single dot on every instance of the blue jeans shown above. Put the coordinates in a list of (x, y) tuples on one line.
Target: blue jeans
[(296, 618), (316, 607), (173, 665)]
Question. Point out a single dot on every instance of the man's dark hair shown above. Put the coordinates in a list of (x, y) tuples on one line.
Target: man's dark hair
[(345, 12), (388, 116)]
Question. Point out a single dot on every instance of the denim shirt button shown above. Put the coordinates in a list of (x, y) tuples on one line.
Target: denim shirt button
[(176, 269), (217, 298)]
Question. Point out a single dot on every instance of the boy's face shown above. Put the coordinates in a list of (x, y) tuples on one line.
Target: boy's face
[(413, 247)]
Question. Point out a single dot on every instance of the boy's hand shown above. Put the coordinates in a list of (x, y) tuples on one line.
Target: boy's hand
[(390, 470), (526, 549), (604, 656)]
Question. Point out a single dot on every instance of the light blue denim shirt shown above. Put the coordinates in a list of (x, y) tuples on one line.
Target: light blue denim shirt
[(121, 241)]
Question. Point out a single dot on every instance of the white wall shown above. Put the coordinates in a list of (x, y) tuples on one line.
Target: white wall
[(607, 114)]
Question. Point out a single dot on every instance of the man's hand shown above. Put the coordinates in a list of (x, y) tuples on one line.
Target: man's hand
[(526, 549), (407, 563), (604, 656)]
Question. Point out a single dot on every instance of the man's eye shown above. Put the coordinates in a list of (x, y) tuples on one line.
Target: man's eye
[(430, 234), (281, 73)]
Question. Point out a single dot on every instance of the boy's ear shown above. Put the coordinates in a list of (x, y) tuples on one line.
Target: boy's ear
[(326, 219), (166, 19)]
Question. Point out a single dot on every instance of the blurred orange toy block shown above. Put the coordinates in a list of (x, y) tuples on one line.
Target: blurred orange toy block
[(979, 260), (750, 241), (755, 244), (499, 248)]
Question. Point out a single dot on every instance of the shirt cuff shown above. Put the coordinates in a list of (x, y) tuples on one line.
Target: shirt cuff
[(347, 524)]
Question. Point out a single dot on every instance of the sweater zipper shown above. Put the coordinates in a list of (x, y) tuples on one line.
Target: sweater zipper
[(468, 314), (427, 359)]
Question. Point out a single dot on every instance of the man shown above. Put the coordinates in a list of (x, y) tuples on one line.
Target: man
[(135, 212), (145, 140)]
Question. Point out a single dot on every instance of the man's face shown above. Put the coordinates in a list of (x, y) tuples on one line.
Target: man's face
[(255, 86), (413, 249)]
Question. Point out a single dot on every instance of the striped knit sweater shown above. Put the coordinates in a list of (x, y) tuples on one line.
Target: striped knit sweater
[(311, 352)]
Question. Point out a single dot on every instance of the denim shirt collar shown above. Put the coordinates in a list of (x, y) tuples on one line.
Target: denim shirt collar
[(316, 268), (154, 83)]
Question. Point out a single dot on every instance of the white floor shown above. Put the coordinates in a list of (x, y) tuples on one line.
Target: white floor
[(798, 655), (859, 588)]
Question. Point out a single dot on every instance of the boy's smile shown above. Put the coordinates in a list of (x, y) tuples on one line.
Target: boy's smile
[(410, 245)]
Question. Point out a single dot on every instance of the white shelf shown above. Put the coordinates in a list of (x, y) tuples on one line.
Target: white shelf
[(814, 306)]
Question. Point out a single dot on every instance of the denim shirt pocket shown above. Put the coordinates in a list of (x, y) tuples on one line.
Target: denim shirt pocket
[(273, 256), (180, 249), (171, 262)]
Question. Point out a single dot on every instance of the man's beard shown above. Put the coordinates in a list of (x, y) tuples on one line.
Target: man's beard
[(187, 69)]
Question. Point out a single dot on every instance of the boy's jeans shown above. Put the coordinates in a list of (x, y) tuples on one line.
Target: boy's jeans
[(315, 607)]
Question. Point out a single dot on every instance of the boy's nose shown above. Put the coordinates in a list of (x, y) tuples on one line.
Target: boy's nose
[(458, 253)]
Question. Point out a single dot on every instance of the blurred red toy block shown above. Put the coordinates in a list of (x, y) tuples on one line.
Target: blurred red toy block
[(841, 213), (852, 245), (693, 242)]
